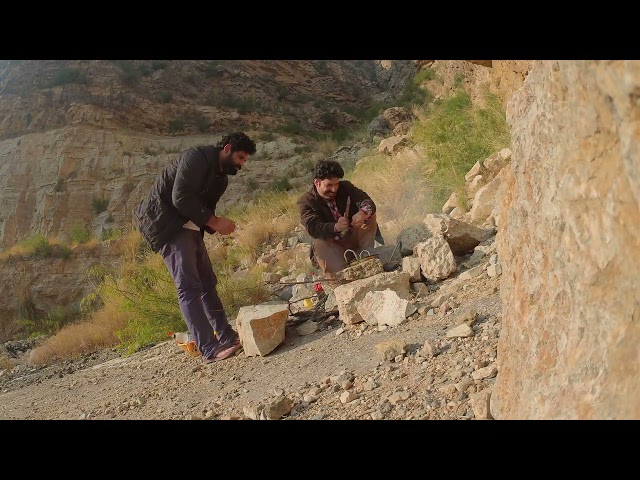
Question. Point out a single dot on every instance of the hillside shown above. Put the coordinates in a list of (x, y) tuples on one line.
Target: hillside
[(508, 291)]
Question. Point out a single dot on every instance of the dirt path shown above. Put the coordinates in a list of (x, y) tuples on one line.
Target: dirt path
[(321, 375)]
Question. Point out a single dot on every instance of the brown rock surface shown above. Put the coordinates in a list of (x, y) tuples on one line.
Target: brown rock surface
[(570, 246)]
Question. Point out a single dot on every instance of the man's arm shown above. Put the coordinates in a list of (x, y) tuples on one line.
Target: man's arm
[(366, 206), (362, 200), (190, 177), (316, 226)]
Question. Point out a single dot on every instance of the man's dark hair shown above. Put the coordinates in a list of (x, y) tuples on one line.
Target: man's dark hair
[(239, 142), (327, 169)]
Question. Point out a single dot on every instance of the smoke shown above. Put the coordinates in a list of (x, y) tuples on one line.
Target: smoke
[(398, 186)]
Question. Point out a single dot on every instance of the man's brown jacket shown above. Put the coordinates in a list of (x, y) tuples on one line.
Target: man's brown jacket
[(316, 216)]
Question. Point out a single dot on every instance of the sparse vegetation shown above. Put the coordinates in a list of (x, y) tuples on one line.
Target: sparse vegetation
[(37, 246), (80, 234), (252, 184), (129, 74), (340, 134), (307, 165), (176, 125), (273, 215), (299, 149), (322, 68), (68, 75), (27, 118), (211, 70), (266, 137), (159, 65), (454, 136), (51, 323), (136, 304), (99, 205), (280, 185), (242, 105), (164, 96), (290, 128), (110, 234)]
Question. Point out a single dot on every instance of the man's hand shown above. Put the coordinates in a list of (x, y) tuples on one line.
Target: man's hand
[(222, 225), (357, 221), (341, 225)]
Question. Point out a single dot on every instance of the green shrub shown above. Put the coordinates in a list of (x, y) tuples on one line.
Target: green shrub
[(176, 125), (252, 184), (159, 65), (424, 75), (99, 205), (290, 128), (54, 320), (322, 68), (110, 234), (68, 75), (280, 185), (202, 123), (456, 135), (267, 137), (340, 134), (38, 244), (164, 96), (211, 70), (27, 118), (129, 74), (299, 149), (80, 234)]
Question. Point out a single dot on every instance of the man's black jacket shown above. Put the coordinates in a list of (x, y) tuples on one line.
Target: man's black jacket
[(188, 189)]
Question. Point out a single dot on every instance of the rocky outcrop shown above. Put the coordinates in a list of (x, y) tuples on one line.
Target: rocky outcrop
[(507, 76), (570, 248)]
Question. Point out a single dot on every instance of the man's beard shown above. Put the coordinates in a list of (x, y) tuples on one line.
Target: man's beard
[(229, 167)]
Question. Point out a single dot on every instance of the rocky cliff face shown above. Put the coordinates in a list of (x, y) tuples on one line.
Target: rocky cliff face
[(186, 96), (570, 245), (83, 140), (47, 283)]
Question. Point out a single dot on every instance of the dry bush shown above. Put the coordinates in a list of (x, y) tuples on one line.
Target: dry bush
[(130, 245), (7, 363), (17, 251), (76, 339), (87, 247), (269, 220)]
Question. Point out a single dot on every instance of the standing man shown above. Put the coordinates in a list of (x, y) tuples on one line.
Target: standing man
[(173, 218), (333, 229)]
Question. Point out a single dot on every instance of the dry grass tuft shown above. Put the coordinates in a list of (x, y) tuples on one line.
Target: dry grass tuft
[(268, 221), (76, 339)]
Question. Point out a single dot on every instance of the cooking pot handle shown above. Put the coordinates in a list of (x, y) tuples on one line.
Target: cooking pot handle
[(345, 255)]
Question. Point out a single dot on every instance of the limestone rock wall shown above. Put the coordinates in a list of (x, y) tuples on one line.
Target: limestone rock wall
[(570, 245)]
